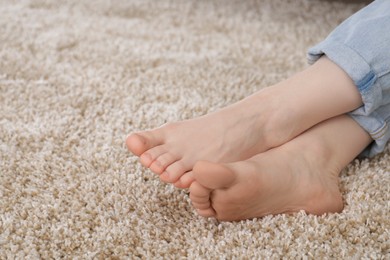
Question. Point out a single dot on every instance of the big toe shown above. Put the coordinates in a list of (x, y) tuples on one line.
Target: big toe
[(138, 143), (213, 175)]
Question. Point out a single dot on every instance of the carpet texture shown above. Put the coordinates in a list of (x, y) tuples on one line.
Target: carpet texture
[(77, 76)]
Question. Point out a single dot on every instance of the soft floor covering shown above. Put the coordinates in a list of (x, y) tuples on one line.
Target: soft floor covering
[(77, 76)]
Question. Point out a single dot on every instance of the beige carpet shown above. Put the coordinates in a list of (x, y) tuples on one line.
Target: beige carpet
[(77, 76)]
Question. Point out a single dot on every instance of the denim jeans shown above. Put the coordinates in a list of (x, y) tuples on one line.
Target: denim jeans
[(361, 47)]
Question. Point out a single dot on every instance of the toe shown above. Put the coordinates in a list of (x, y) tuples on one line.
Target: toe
[(173, 172), (152, 154), (207, 213), (138, 143), (185, 180), (213, 175), (200, 197), (179, 185), (162, 162), (203, 206), (199, 193)]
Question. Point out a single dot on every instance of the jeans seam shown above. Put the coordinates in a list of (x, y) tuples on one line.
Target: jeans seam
[(379, 134)]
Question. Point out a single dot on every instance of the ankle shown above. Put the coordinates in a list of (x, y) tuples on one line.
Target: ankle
[(283, 120), (320, 154)]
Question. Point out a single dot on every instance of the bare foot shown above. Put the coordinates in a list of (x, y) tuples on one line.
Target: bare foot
[(300, 175), (233, 133), (264, 120)]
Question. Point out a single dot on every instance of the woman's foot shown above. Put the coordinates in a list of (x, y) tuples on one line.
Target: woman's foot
[(234, 133), (300, 175), (264, 120)]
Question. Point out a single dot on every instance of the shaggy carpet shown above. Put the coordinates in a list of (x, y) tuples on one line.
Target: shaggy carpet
[(77, 76)]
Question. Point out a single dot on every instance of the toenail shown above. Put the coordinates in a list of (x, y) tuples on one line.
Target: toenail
[(147, 156), (164, 175), (158, 164)]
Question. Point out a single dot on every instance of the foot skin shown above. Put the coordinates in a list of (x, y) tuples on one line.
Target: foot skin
[(172, 150), (300, 175), (264, 120)]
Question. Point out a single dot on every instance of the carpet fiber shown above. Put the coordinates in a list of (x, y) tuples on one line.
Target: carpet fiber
[(77, 76)]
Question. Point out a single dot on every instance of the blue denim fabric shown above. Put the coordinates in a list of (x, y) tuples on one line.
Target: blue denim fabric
[(361, 47)]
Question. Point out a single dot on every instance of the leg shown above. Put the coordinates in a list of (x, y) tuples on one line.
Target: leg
[(264, 120), (299, 175)]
